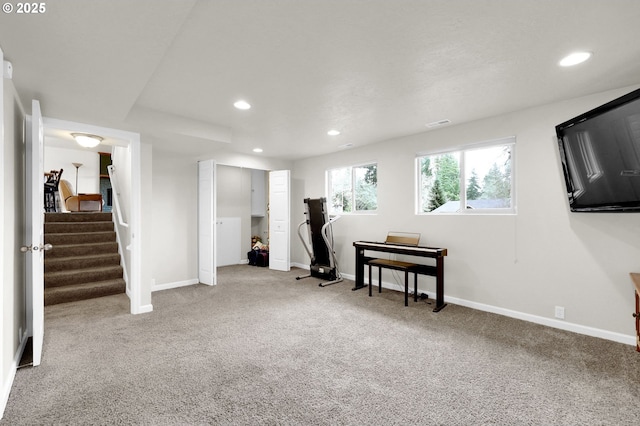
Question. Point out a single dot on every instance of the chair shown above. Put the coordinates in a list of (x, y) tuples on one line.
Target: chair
[(50, 189), (79, 202), (397, 238)]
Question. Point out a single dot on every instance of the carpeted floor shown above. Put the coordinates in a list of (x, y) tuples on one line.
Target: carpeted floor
[(263, 348)]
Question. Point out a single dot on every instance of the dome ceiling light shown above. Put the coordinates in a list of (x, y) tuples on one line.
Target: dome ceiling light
[(87, 140)]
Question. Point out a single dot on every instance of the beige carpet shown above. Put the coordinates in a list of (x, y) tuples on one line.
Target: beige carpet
[(263, 348)]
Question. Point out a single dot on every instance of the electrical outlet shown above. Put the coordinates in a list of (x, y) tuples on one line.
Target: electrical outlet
[(560, 312)]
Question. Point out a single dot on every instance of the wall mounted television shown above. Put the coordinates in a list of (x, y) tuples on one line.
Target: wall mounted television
[(600, 155)]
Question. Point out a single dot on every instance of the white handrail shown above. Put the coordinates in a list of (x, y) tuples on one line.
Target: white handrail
[(115, 194), (115, 190)]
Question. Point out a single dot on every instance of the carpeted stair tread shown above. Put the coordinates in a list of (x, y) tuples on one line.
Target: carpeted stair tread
[(84, 275), (78, 217), (85, 261), (80, 238), (67, 250), (84, 291), (76, 227)]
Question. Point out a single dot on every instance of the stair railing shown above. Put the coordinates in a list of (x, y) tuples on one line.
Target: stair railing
[(115, 190), (120, 219)]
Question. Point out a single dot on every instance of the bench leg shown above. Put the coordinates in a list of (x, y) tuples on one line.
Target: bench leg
[(369, 280), (379, 280), (406, 287), (415, 286)]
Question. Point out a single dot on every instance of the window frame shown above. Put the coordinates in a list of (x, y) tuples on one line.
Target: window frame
[(328, 188), (462, 151)]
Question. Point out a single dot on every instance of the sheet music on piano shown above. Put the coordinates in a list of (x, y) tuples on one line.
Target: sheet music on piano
[(403, 238)]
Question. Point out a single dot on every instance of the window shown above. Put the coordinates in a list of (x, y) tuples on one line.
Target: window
[(480, 178), (353, 189)]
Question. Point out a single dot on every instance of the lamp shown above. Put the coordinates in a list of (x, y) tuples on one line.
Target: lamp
[(77, 166), (87, 140)]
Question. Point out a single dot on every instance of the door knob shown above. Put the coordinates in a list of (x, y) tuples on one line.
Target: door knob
[(44, 247)]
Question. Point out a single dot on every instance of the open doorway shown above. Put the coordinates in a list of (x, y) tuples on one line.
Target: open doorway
[(242, 206), (261, 199), (86, 174), (225, 190)]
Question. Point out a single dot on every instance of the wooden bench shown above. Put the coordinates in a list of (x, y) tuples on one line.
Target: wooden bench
[(398, 238)]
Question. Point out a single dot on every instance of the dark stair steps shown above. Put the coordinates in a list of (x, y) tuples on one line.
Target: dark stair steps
[(73, 250), (84, 262), (57, 264), (79, 276), (78, 217), (72, 293), (63, 227), (80, 238)]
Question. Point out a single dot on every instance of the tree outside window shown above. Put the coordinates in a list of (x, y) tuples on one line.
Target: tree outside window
[(481, 178), (353, 189)]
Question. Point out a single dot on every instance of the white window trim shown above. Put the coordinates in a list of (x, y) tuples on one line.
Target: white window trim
[(509, 140), (327, 188)]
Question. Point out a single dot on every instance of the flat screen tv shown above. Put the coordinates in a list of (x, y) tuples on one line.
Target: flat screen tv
[(600, 154)]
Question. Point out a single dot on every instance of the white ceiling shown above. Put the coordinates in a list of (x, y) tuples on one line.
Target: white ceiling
[(373, 69)]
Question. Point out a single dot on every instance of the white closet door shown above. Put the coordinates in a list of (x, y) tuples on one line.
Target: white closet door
[(279, 220), (206, 222), (228, 237)]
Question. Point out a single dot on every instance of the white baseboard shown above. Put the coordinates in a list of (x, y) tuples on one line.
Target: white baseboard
[(7, 382), (549, 322), (167, 286), (145, 309)]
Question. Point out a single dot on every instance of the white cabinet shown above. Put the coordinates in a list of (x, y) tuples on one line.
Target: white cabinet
[(258, 193), (228, 241)]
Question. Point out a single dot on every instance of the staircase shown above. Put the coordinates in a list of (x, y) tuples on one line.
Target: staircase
[(84, 262)]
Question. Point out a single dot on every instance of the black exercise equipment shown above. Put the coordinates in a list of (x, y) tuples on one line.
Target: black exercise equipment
[(324, 263)]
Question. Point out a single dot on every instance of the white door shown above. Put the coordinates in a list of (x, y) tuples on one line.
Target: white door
[(279, 220), (228, 241), (34, 239), (206, 222)]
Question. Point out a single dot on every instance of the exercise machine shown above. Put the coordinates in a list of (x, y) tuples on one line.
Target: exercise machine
[(324, 263)]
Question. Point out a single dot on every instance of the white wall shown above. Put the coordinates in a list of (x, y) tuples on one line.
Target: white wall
[(146, 224), (56, 158), (174, 231), (5, 378), (523, 264)]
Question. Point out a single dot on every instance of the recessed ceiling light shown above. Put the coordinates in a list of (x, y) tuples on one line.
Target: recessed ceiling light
[(333, 132), (257, 149), (242, 104), (574, 59), (438, 123)]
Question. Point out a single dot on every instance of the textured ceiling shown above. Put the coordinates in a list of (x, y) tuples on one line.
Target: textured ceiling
[(373, 69)]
